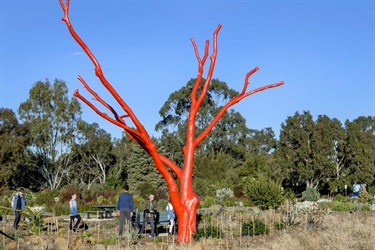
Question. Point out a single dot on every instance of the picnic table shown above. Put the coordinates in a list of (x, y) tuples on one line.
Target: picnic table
[(105, 211)]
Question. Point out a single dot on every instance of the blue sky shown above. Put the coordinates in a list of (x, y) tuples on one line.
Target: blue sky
[(323, 50)]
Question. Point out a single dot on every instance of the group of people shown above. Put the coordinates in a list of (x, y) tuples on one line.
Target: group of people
[(125, 208)]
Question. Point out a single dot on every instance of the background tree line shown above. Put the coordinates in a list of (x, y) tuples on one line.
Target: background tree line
[(46, 144)]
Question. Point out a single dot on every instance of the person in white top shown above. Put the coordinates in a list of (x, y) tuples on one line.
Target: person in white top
[(171, 216)]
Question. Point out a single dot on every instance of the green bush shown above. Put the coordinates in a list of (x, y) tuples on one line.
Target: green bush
[(371, 190), (208, 232), (208, 201), (45, 198), (59, 208), (341, 198), (366, 208), (310, 194), (264, 193), (255, 227), (342, 206)]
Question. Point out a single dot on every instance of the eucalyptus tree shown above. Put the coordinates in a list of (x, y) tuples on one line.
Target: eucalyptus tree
[(14, 139), (311, 152), (228, 135), (52, 117), (328, 140), (360, 149), (93, 156), (142, 176), (259, 158)]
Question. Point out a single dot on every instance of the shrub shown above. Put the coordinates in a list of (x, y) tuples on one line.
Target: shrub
[(310, 194), (208, 201), (66, 192), (255, 227), (46, 198), (366, 208), (208, 232), (371, 190), (341, 198), (264, 193), (342, 206), (59, 209), (223, 193)]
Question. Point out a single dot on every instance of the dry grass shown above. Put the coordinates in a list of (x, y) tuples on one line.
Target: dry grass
[(309, 230)]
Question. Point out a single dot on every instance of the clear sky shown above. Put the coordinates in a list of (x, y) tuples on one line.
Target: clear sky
[(322, 49)]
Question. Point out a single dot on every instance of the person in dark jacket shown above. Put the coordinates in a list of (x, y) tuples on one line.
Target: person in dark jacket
[(125, 207), (18, 203), (149, 214)]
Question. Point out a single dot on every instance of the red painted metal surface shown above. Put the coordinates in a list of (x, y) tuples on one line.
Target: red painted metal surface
[(183, 199)]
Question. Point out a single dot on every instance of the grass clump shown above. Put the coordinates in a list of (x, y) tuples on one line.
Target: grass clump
[(255, 227), (208, 232)]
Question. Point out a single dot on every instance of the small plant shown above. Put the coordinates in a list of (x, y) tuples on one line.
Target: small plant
[(110, 239), (314, 219), (35, 218), (208, 232), (310, 194), (255, 227), (108, 226), (86, 234), (131, 234)]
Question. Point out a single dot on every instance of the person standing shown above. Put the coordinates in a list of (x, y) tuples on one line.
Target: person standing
[(18, 203), (125, 207), (149, 214), (171, 216), (73, 212)]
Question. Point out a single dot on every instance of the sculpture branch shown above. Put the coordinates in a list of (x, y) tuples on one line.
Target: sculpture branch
[(140, 136), (233, 101), (98, 70)]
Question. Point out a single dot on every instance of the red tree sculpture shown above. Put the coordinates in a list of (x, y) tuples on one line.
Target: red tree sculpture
[(183, 199)]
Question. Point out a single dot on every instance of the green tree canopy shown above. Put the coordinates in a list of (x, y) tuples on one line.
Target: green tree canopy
[(228, 135), (14, 139), (360, 149)]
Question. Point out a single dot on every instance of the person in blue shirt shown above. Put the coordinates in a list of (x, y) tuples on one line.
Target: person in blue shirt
[(125, 207), (171, 216), (18, 203), (73, 212)]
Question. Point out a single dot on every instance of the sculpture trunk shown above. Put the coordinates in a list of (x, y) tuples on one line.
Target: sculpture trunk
[(187, 219)]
